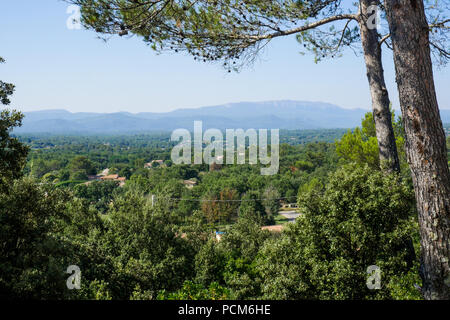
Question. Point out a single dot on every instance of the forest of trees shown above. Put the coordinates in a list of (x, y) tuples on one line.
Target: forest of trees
[(378, 195), (129, 247)]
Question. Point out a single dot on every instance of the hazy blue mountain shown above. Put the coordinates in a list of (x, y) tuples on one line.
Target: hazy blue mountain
[(257, 115)]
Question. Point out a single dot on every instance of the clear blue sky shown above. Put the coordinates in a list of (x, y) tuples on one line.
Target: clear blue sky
[(57, 68)]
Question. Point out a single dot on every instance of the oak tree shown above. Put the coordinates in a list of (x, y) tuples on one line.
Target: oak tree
[(13, 153)]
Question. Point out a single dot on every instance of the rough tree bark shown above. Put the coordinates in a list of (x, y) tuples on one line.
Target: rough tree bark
[(389, 160), (425, 141), (387, 147)]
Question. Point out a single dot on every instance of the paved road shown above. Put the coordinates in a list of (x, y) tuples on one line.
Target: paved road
[(290, 215)]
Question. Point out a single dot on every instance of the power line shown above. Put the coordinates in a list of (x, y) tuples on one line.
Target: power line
[(220, 200)]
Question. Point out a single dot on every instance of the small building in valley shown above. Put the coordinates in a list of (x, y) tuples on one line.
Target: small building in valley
[(152, 164), (105, 176), (277, 228), (110, 177), (190, 183)]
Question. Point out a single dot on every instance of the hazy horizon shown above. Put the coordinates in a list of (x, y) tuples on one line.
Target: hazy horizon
[(194, 108), (200, 107)]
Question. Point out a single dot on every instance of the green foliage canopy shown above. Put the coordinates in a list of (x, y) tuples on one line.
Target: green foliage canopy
[(362, 218)]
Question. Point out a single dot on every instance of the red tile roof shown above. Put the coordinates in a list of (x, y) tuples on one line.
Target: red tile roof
[(277, 228)]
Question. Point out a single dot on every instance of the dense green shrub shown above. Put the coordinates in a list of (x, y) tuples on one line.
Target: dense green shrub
[(230, 262), (193, 291), (362, 218), (33, 256), (145, 248)]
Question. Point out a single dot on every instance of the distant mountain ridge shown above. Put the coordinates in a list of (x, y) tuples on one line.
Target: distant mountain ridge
[(284, 114)]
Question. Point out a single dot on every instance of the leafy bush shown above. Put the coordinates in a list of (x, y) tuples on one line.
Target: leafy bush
[(33, 257), (230, 262), (193, 291), (145, 248), (362, 218)]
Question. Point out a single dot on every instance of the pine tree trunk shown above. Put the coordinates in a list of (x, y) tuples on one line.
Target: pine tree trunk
[(382, 116), (425, 141)]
